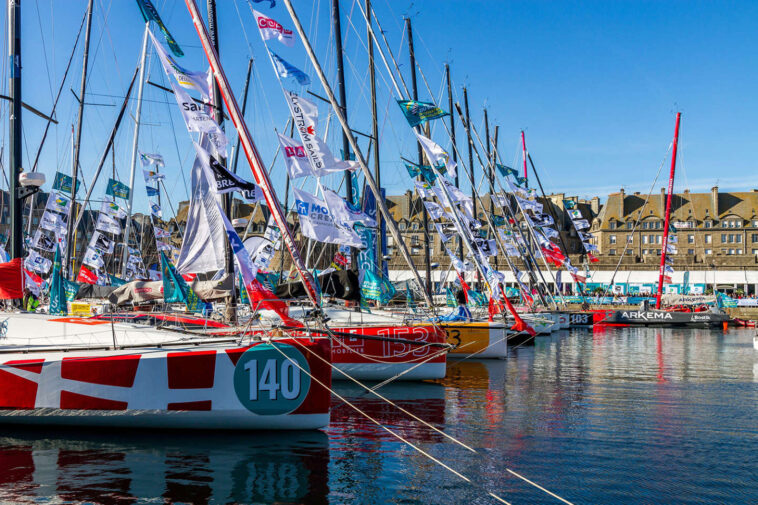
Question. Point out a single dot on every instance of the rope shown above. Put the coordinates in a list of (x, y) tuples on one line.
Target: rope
[(391, 432)]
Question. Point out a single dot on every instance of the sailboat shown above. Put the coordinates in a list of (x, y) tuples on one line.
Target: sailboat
[(88, 372)]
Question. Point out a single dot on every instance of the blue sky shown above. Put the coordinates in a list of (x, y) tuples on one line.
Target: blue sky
[(594, 84)]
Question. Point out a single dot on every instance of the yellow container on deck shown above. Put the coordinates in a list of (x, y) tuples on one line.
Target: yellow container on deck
[(79, 309)]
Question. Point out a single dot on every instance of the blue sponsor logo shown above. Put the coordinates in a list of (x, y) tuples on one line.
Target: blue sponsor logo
[(302, 207)]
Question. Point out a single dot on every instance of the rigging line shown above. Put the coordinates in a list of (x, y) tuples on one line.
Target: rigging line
[(44, 53), (176, 143), (244, 31), (384, 398), (639, 218)]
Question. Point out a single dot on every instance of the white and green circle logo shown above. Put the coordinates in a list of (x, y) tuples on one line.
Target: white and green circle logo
[(272, 380)]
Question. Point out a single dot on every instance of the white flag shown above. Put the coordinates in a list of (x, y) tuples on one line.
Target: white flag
[(294, 157), (437, 156), (161, 233), (581, 224), (43, 242), (270, 29), (186, 78), (58, 202), (195, 116), (107, 224), (305, 114), (424, 189), (148, 159), (112, 209), (343, 213), (52, 221), (460, 266), (93, 258), (37, 263), (101, 242), (317, 223), (441, 232), (436, 211)]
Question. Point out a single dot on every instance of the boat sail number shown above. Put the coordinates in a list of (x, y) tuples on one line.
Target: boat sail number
[(272, 380)]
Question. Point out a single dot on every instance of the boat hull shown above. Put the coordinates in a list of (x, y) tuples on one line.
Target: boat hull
[(479, 339), (278, 385), (660, 318)]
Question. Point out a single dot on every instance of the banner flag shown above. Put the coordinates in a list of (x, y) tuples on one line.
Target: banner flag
[(43, 242), (343, 212), (294, 157), (150, 13), (37, 263), (285, 69), (58, 202), (317, 223), (117, 189), (271, 29), (12, 279), (417, 113), (63, 183), (148, 159), (227, 181), (58, 297), (107, 224)]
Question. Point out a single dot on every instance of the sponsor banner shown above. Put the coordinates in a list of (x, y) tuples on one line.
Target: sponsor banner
[(117, 189), (317, 223), (271, 29)]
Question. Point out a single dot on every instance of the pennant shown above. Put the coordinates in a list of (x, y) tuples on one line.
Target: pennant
[(424, 171), (270, 29), (417, 113), (520, 324), (150, 13), (344, 213), (12, 279), (117, 189), (161, 233), (285, 69), (506, 171), (437, 156), (52, 221)]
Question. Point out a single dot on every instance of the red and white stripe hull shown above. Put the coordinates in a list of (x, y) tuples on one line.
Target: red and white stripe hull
[(205, 385)]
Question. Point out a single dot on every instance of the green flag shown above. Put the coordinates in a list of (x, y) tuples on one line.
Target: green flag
[(420, 112), (150, 13), (176, 290), (58, 304)]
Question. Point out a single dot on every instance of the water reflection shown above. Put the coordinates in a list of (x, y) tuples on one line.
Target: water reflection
[(615, 415), (191, 467)]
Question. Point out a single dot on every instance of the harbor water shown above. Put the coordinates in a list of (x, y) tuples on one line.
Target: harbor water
[(613, 416)]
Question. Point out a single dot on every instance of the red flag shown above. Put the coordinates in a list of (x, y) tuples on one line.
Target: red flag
[(12, 279), (579, 278), (463, 285), (592, 258), (495, 308), (86, 276), (261, 297), (520, 324), (33, 277), (553, 254)]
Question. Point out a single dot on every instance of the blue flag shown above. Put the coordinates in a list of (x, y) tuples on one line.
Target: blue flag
[(273, 2), (506, 171), (285, 70), (420, 112)]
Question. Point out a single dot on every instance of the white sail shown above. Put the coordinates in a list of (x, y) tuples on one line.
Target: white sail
[(203, 245)]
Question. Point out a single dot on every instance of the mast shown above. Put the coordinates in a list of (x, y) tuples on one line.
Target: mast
[(226, 200), (253, 157), (523, 151), (14, 44), (77, 146), (375, 135), (135, 142), (381, 204), (661, 270), (452, 139), (414, 89), (244, 108), (471, 160)]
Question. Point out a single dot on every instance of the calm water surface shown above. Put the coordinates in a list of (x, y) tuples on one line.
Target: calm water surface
[(621, 416)]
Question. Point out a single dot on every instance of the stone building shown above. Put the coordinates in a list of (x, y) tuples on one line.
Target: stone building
[(713, 230)]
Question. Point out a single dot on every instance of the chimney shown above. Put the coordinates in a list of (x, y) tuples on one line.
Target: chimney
[(663, 201), (622, 196), (595, 205), (715, 202)]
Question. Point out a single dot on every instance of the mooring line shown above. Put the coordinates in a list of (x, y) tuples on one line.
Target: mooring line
[(391, 432)]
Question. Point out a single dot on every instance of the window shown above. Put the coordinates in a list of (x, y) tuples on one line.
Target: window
[(708, 238), (645, 252), (629, 251), (414, 226), (658, 225), (739, 251), (690, 239), (401, 226), (612, 252), (731, 252), (612, 224), (723, 238), (690, 252), (709, 251), (644, 239), (754, 238), (630, 225), (690, 224), (755, 251), (658, 252), (708, 224), (645, 225), (659, 239), (630, 239), (731, 238), (612, 239), (738, 238), (755, 223), (414, 241)]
